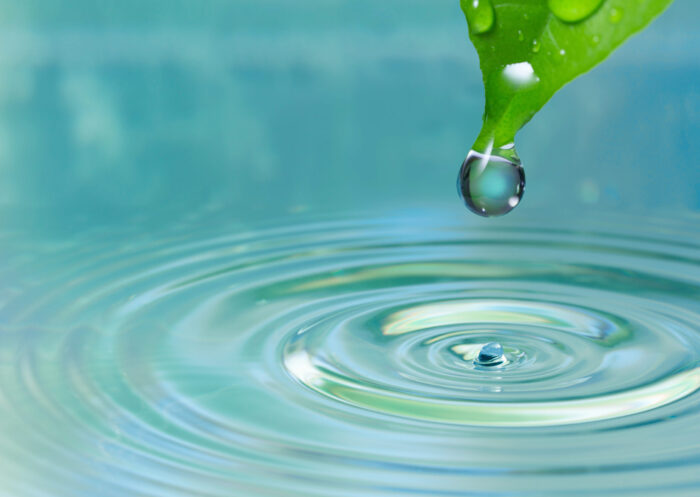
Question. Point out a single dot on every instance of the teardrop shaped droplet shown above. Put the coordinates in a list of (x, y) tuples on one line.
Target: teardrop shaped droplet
[(573, 10), (479, 14), (491, 184), (490, 354)]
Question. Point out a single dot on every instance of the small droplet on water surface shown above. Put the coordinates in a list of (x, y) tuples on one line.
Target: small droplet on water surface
[(490, 184), (490, 354), (479, 15), (573, 10)]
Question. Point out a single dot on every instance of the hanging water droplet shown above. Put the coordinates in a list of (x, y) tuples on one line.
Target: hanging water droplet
[(535, 46), (615, 15), (490, 354), (573, 10), (490, 184), (521, 37), (479, 13)]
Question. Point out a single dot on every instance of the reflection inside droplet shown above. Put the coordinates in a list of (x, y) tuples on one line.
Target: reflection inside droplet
[(491, 184)]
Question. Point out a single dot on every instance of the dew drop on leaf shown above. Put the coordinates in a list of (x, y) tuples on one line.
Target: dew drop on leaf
[(479, 14), (573, 10), (615, 15)]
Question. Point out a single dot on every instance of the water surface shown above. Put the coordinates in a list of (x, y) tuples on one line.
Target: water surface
[(336, 356)]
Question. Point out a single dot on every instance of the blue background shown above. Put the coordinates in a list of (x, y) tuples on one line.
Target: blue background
[(159, 111)]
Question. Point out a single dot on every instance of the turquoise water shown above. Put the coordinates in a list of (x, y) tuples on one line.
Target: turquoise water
[(233, 262)]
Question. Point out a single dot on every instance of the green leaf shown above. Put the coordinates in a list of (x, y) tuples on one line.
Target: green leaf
[(528, 49)]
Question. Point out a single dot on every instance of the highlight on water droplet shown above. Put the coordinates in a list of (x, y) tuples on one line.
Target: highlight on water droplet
[(573, 10), (479, 13), (491, 184), (562, 52)]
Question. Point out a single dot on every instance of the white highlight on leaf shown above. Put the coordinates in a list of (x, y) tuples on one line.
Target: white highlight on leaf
[(520, 74)]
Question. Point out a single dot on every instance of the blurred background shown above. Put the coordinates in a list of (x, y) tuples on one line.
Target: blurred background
[(145, 145), (162, 110)]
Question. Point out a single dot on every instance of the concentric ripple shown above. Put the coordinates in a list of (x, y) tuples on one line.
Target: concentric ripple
[(406, 355), (564, 364)]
